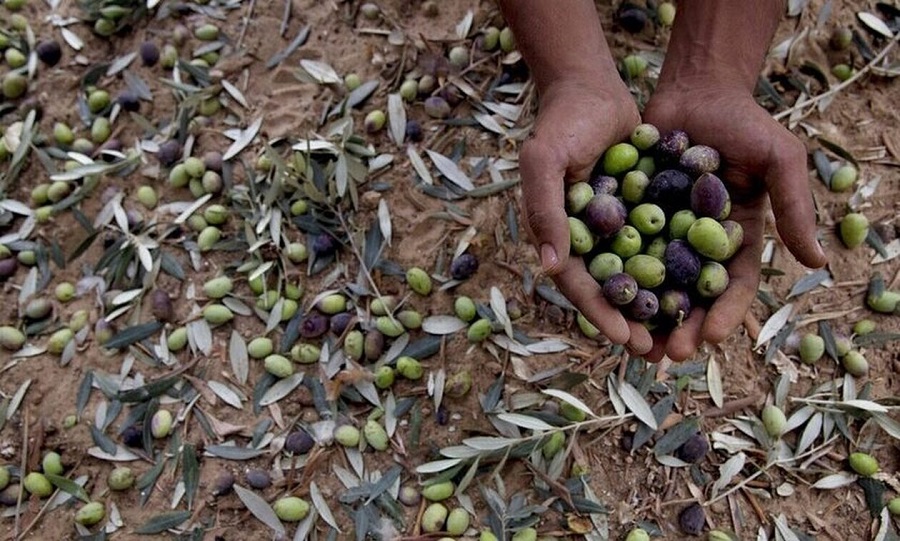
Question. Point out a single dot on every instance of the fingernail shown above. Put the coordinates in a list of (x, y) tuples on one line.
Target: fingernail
[(549, 259)]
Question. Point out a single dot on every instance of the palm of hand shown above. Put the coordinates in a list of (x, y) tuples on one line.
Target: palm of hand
[(759, 156)]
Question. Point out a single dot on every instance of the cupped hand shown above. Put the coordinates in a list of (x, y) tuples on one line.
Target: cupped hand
[(760, 158), (576, 121)]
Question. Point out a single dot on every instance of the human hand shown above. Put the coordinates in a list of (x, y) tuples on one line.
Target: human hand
[(575, 123), (759, 157)]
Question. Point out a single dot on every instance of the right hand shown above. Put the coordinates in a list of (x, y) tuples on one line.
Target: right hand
[(576, 121)]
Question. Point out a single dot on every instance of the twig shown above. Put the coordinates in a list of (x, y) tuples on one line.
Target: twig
[(246, 23), (285, 18), (815, 99), (24, 468)]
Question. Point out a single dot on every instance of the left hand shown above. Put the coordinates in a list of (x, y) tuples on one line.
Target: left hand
[(759, 158)]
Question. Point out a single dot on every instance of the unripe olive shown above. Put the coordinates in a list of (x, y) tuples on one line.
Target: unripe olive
[(161, 424), (291, 509), (438, 492), (507, 40), (208, 238), (63, 134), (457, 521), (773, 420), (217, 314), (389, 327), (59, 340), (14, 85), (855, 364), (260, 347), (843, 178), (11, 339), (479, 331), (217, 287), (177, 340), (146, 195), (434, 517), (347, 435), (352, 81), (120, 478), (409, 89), (375, 121), (4, 477), (812, 347), (305, 353), (409, 368), (98, 100), (279, 366), (52, 463), (90, 514), (207, 32), (375, 435), (637, 534), (38, 485), (864, 326), (863, 464), (384, 377)]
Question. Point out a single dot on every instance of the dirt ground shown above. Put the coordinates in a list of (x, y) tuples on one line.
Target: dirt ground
[(633, 486)]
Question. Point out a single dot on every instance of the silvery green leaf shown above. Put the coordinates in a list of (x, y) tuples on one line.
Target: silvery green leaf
[(232, 452), (245, 139), (16, 207), (888, 424), (121, 455), (200, 336), (798, 418), (390, 415), (637, 404), (548, 345), (874, 23), (671, 461), (397, 118), (322, 506), (441, 325), (714, 381), (836, 480), (783, 532), (281, 389), (498, 305), (419, 165), (368, 391), (488, 443), (810, 433), (489, 122), (72, 39), (436, 382), (459, 451), (235, 93), (341, 175), (614, 396), (17, 399), (465, 25), (238, 356), (226, 393), (320, 71), (306, 526), (729, 470), (866, 405), (524, 421), (450, 170), (510, 345), (506, 110), (237, 306), (120, 64), (274, 318), (259, 508), (731, 444), (384, 220), (569, 399), (774, 324), (437, 466)]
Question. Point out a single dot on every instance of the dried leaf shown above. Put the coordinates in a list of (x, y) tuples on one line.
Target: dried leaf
[(809, 282), (714, 382), (260, 509), (637, 404), (437, 466), (569, 399), (419, 165), (237, 354), (835, 480), (874, 23), (450, 170), (322, 505), (321, 72), (774, 324), (498, 306), (384, 221), (163, 522), (525, 421), (281, 389), (397, 118), (245, 139), (729, 470), (226, 393), (443, 325), (231, 452)]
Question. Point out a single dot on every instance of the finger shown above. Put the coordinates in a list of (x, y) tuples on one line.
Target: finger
[(658, 350), (684, 340), (640, 341), (729, 310), (787, 183), (542, 191), (579, 287)]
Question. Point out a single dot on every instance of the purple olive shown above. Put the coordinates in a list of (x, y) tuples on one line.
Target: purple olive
[(161, 305), (631, 18), (313, 325), (620, 289), (699, 159), (709, 197), (692, 519), (644, 306), (133, 436), (682, 263), (213, 161), (49, 52), (604, 184), (9, 496), (8, 267), (258, 479), (605, 215), (675, 305), (670, 189), (149, 53), (323, 244), (169, 152), (298, 442), (129, 102), (338, 323), (671, 146), (414, 131), (463, 266), (223, 484), (694, 449)]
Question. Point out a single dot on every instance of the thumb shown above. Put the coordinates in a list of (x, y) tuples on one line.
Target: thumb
[(787, 183), (543, 194)]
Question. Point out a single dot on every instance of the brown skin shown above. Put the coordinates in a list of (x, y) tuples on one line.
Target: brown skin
[(712, 64)]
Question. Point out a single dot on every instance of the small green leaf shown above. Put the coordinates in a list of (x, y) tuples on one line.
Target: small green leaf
[(163, 522)]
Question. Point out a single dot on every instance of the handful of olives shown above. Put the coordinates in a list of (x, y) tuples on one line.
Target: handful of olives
[(652, 226)]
